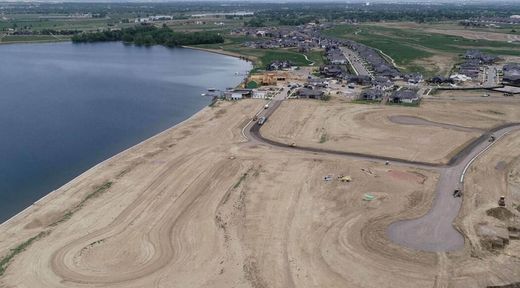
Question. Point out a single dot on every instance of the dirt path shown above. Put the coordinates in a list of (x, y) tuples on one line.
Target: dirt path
[(412, 120)]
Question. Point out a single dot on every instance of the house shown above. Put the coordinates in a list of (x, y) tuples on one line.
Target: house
[(310, 93), (440, 80), (335, 56), (261, 33), (160, 18), (481, 57), (511, 73), (237, 94), (359, 79), (470, 68), (372, 94), (405, 96), (316, 83), (335, 71), (413, 78), (259, 94), (460, 78), (382, 83), (279, 65)]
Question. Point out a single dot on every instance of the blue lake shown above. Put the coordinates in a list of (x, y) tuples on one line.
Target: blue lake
[(65, 107)]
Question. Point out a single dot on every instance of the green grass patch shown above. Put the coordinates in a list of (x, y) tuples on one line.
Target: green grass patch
[(97, 191), (6, 260), (324, 137), (325, 97), (316, 56), (33, 38), (240, 180)]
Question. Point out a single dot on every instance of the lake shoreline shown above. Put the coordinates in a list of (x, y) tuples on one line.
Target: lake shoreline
[(222, 52), (26, 208), (27, 211)]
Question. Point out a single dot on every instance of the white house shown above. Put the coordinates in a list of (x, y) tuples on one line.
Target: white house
[(236, 96)]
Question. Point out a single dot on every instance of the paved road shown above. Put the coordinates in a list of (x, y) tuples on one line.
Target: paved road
[(490, 75), (434, 231), (356, 62)]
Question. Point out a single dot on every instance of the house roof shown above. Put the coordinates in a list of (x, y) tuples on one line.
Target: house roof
[(310, 92), (405, 94)]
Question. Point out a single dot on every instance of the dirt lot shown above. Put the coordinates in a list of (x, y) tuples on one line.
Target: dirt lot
[(368, 129), (197, 206), (494, 174)]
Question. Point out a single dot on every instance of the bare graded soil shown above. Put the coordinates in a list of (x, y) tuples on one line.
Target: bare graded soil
[(369, 129), (198, 206)]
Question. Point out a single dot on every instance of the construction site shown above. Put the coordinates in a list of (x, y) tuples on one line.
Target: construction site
[(285, 206)]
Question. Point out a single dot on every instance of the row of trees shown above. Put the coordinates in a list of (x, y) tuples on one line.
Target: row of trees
[(150, 35), (298, 14)]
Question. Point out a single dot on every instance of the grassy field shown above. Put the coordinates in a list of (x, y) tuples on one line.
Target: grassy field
[(32, 38), (406, 46)]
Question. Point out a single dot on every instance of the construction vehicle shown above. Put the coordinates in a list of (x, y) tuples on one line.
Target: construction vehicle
[(502, 201), (457, 193), (344, 178)]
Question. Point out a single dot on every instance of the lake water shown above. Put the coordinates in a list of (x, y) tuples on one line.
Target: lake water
[(66, 107)]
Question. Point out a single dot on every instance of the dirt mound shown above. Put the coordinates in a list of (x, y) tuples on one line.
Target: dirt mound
[(500, 213), (493, 238)]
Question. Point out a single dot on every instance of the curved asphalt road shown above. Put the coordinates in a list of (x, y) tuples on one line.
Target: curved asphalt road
[(434, 231)]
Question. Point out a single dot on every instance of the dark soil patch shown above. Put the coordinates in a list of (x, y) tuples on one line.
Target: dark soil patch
[(500, 213)]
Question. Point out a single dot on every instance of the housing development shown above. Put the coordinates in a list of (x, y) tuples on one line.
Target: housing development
[(370, 145)]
